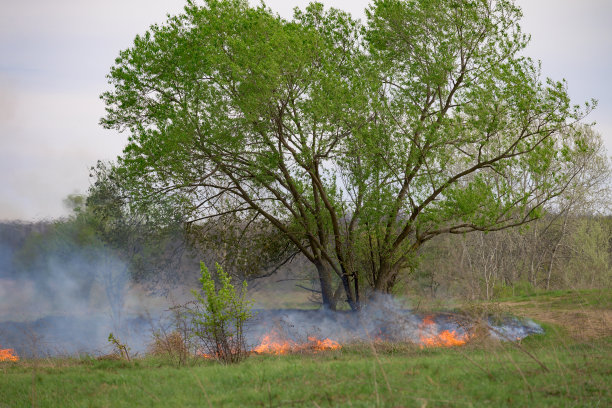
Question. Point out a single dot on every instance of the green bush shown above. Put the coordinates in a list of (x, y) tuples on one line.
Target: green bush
[(219, 317)]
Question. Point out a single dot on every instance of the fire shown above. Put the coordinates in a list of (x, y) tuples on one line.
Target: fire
[(273, 343), (8, 355), (277, 343), (321, 345), (445, 338), (203, 354)]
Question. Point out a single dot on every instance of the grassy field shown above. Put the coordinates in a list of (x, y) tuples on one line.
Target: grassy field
[(566, 366)]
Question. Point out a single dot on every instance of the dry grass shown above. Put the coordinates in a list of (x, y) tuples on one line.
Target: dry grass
[(109, 357), (580, 325), (583, 316), (171, 344)]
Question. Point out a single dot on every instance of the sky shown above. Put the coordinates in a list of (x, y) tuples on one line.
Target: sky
[(54, 56)]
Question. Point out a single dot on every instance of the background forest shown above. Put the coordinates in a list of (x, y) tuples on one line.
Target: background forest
[(567, 249)]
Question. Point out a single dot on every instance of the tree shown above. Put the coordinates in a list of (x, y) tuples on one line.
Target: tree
[(358, 143)]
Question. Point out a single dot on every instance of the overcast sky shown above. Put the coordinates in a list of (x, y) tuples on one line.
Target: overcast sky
[(54, 56)]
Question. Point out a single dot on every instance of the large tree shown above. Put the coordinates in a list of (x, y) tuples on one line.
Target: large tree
[(358, 143)]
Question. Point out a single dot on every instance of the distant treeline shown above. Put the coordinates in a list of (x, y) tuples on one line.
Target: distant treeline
[(29, 250), (560, 251), (556, 252)]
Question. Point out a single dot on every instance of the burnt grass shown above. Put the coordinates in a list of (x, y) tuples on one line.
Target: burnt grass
[(552, 369)]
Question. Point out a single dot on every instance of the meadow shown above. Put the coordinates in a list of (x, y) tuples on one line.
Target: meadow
[(570, 365)]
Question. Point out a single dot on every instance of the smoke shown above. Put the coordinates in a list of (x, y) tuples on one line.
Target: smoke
[(69, 297), (66, 299), (384, 318)]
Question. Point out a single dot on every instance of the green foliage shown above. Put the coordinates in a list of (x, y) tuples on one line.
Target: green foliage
[(357, 142), (220, 320)]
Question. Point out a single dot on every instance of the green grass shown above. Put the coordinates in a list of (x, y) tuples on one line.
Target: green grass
[(483, 373), (573, 299), (358, 376)]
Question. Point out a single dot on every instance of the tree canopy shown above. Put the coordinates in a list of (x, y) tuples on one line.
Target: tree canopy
[(357, 141)]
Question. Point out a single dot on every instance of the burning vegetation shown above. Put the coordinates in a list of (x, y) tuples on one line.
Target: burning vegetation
[(431, 336), (274, 343), (220, 325), (8, 355), (288, 331), (428, 334)]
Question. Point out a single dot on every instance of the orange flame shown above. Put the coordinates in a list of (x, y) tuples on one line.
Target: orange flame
[(8, 355), (446, 338), (273, 343), (321, 345), (203, 354)]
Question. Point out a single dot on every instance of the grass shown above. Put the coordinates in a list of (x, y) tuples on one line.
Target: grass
[(582, 314), (596, 299), (578, 372)]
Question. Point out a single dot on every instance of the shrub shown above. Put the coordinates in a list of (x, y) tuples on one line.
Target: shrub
[(172, 345), (174, 338), (219, 317), (121, 349)]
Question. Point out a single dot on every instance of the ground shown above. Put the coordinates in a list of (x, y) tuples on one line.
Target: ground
[(585, 315), (570, 365)]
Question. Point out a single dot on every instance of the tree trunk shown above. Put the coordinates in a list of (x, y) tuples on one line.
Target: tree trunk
[(350, 295), (327, 292), (385, 278), (356, 282)]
